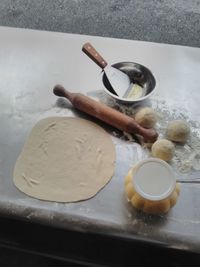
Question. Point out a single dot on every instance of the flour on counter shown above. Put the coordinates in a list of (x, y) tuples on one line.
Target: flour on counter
[(187, 156)]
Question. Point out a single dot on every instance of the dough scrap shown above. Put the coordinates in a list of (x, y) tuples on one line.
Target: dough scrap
[(65, 160)]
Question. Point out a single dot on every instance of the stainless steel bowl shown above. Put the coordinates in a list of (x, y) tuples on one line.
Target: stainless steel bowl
[(138, 74)]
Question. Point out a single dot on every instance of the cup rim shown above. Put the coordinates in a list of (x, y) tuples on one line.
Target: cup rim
[(147, 196)]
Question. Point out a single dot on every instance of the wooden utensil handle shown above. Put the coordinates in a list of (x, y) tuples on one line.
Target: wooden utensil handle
[(106, 114), (91, 52)]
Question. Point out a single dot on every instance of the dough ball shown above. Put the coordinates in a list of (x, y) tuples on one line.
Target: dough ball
[(146, 117), (174, 198), (163, 149), (178, 131), (138, 202), (160, 207)]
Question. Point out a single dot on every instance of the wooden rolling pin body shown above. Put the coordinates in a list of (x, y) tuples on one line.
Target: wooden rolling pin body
[(105, 113)]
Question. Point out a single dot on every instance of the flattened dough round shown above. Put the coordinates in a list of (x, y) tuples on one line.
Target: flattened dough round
[(65, 160)]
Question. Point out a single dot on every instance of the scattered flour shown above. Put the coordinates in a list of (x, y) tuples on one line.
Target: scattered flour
[(187, 156)]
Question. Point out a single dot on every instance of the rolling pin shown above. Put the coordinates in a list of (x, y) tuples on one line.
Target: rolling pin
[(105, 113)]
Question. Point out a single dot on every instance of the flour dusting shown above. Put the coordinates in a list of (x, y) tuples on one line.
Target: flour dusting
[(187, 156)]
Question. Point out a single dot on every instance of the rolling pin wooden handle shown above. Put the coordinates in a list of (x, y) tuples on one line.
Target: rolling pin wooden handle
[(149, 134), (105, 113), (91, 52), (59, 90)]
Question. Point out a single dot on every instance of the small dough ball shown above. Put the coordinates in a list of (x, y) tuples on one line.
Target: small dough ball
[(178, 188), (158, 207), (146, 117), (137, 201), (163, 149), (130, 191), (173, 198), (178, 131), (128, 177)]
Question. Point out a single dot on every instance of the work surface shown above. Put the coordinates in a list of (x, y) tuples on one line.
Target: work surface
[(31, 63)]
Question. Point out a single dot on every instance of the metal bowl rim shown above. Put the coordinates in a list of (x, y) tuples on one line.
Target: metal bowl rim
[(136, 100)]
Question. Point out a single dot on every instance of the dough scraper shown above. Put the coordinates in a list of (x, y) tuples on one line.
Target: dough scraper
[(119, 81)]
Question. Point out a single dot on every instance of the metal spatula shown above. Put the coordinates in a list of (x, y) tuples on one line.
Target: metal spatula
[(119, 81)]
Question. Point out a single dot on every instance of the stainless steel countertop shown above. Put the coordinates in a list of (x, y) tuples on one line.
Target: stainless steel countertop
[(31, 63)]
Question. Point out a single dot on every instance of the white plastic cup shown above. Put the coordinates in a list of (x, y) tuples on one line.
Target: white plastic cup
[(154, 179)]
